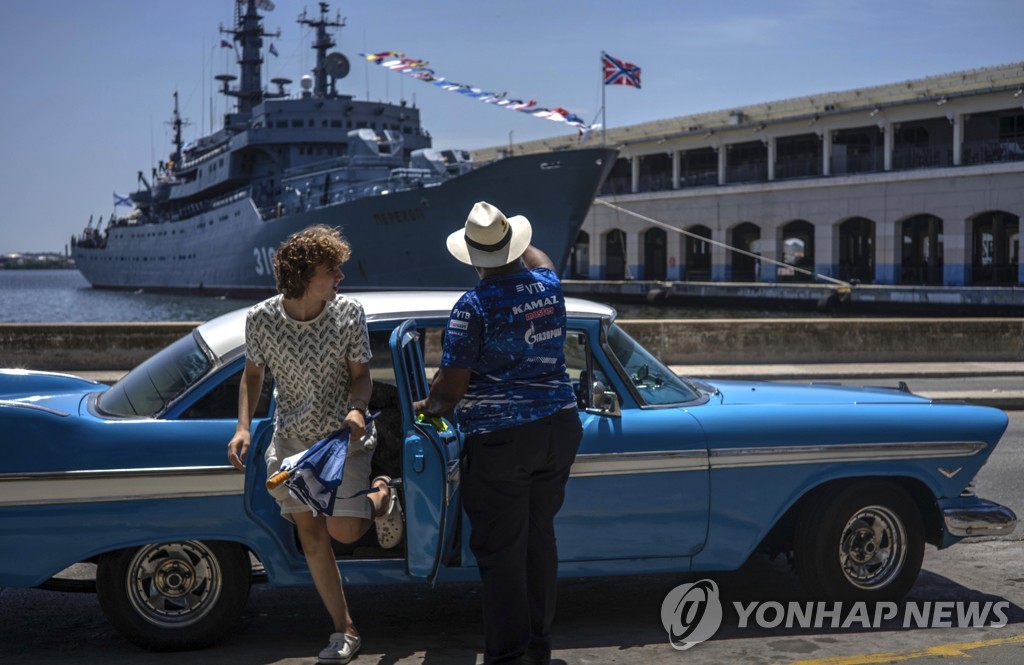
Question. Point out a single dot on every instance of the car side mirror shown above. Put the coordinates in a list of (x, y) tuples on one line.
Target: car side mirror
[(605, 402)]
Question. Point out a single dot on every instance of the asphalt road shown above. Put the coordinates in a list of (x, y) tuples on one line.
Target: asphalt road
[(600, 620)]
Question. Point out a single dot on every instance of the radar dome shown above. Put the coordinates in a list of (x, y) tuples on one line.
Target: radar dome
[(306, 82)]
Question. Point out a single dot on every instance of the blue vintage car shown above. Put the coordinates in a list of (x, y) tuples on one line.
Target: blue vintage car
[(134, 477)]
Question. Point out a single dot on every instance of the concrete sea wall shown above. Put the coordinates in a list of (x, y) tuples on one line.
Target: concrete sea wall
[(84, 346), (753, 341), (119, 346)]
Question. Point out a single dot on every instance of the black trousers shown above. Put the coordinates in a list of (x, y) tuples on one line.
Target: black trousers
[(513, 484)]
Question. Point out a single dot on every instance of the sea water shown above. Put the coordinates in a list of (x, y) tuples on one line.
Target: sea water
[(59, 296)]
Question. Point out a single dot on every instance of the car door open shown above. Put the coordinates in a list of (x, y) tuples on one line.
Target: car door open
[(431, 454)]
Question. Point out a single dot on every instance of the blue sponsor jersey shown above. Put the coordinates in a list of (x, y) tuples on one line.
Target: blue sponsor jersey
[(510, 331)]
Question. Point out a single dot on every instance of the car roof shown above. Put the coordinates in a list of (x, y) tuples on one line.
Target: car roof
[(226, 333)]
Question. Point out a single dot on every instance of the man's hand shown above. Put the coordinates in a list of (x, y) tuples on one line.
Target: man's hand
[(238, 448), (448, 387), (355, 423)]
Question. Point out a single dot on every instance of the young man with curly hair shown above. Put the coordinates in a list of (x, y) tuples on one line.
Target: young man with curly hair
[(316, 345)]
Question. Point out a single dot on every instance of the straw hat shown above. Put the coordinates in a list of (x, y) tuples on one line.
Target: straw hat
[(489, 239)]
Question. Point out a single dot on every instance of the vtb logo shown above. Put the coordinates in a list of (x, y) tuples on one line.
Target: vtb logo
[(691, 613)]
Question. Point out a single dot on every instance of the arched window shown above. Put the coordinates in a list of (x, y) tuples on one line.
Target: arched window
[(579, 260), (857, 250), (746, 236), (921, 256), (995, 249), (797, 251), (655, 254), (698, 255), (615, 254)]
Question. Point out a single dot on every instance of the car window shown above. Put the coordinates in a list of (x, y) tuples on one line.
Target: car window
[(148, 388), (431, 342), (221, 402), (654, 383), (381, 369)]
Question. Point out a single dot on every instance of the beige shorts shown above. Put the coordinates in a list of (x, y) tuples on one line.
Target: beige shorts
[(356, 477)]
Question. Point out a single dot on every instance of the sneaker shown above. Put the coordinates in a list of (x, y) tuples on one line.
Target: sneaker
[(341, 649), (390, 527)]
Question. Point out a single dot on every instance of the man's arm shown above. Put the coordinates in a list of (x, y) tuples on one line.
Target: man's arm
[(448, 387), (362, 388), (534, 258), (249, 389)]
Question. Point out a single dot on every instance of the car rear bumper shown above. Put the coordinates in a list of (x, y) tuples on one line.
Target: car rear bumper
[(981, 518)]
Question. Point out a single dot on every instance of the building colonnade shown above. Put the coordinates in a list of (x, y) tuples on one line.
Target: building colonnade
[(922, 249)]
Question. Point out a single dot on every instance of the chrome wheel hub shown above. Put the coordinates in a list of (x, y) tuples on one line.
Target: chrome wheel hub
[(873, 547), (176, 583), (174, 578)]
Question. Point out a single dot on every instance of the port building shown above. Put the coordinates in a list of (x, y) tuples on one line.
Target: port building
[(918, 182)]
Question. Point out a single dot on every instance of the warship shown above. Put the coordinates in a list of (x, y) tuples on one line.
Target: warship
[(209, 218)]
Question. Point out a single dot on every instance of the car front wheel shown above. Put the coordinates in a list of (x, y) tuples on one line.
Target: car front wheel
[(864, 542), (174, 596)]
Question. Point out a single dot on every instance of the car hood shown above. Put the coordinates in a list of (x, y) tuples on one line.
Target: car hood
[(765, 392)]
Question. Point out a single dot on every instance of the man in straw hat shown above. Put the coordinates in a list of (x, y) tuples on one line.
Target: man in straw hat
[(503, 363)]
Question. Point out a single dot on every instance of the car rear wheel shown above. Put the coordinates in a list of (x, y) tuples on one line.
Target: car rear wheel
[(864, 542), (174, 596)]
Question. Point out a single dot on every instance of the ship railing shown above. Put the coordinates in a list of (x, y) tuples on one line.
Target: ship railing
[(313, 194), (188, 164), (230, 198), (197, 208), (412, 174), (317, 169), (400, 180)]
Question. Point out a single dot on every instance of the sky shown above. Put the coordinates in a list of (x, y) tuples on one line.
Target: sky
[(89, 84)]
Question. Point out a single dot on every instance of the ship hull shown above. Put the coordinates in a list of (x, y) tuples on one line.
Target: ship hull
[(398, 239)]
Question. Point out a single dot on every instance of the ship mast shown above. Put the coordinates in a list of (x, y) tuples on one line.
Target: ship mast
[(177, 123), (248, 33), (322, 43)]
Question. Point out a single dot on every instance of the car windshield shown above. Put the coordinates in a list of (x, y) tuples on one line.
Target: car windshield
[(655, 383), (148, 388)]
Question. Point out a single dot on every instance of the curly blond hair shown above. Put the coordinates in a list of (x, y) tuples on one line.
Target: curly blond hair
[(298, 257)]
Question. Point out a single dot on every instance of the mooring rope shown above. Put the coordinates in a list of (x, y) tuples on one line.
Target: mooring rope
[(845, 286)]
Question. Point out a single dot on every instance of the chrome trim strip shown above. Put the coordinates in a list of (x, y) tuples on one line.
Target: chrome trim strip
[(732, 458), (615, 464), (94, 486), (115, 473), (29, 405), (988, 519)]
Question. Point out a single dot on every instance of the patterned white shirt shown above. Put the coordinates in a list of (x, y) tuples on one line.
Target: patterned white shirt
[(307, 359)]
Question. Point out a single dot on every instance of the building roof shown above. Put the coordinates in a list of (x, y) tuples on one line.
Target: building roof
[(1009, 77)]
